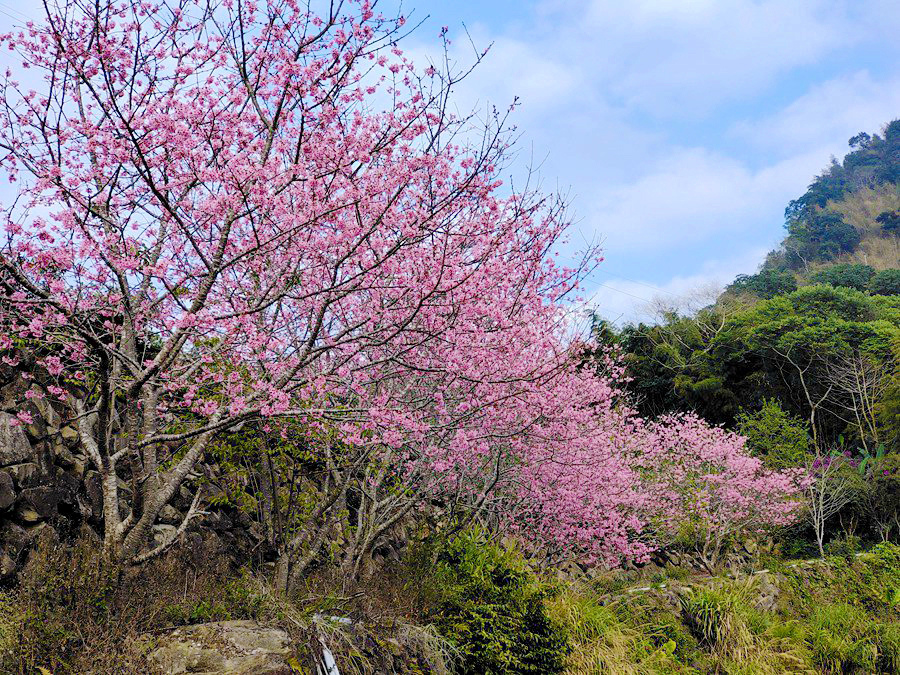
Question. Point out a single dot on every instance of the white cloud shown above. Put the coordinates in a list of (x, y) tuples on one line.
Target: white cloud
[(630, 300), (692, 194), (827, 115), (608, 87), (676, 58)]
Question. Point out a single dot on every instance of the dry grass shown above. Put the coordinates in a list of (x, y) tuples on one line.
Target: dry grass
[(861, 208)]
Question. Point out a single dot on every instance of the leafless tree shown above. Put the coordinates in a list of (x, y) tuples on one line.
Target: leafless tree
[(862, 383), (833, 484), (815, 398)]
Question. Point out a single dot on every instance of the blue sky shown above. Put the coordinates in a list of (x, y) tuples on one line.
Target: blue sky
[(679, 128)]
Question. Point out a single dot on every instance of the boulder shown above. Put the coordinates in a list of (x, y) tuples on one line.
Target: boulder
[(163, 534), (93, 488), (8, 566), (12, 393), (14, 538), (233, 647), (62, 456), (68, 487), (25, 475), (42, 499), (218, 522), (7, 491), (767, 591), (14, 445), (44, 408), (169, 515), (27, 515), (69, 436)]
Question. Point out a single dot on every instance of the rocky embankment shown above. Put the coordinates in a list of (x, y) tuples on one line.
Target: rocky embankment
[(48, 488)]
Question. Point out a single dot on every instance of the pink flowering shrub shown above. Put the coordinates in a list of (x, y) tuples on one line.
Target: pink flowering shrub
[(703, 480), (625, 487)]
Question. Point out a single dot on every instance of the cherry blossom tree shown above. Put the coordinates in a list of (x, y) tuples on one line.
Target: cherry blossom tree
[(703, 479), (234, 211), (216, 223)]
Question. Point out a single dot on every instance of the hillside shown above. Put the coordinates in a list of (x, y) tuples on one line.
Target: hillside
[(849, 216)]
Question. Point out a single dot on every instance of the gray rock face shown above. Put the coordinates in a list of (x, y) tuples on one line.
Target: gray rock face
[(163, 533), (7, 565), (14, 538), (7, 491), (43, 499), (233, 647), (24, 475), (768, 592), (69, 436), (169, 515), (14, 445)]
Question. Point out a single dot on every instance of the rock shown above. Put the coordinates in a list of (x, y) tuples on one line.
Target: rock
[(243, 519), (37, 430), (62, 456), (84, 508), (42, 499), (44, 535), (68, 487), (44, 408), (767, 593), (28, 515), (23, 474), (93, 487), (163, 533), (86, 532), (233, 647), (8, 566), (69, 436), (218, 522), (14, 538), (13, 392), (14, 445), (7, 491), (212, 492), (169, 515)]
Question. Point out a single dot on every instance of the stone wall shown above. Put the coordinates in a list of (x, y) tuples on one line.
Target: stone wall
[(49, 487)]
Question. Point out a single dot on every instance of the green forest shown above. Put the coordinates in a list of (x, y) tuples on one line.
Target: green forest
[(769, 356)]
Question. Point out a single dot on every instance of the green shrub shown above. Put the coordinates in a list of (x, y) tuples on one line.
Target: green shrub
[(849, 275), (716, 618), (845, 546), (491, 607), (886, 282), (774, 436), (840, 639)]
